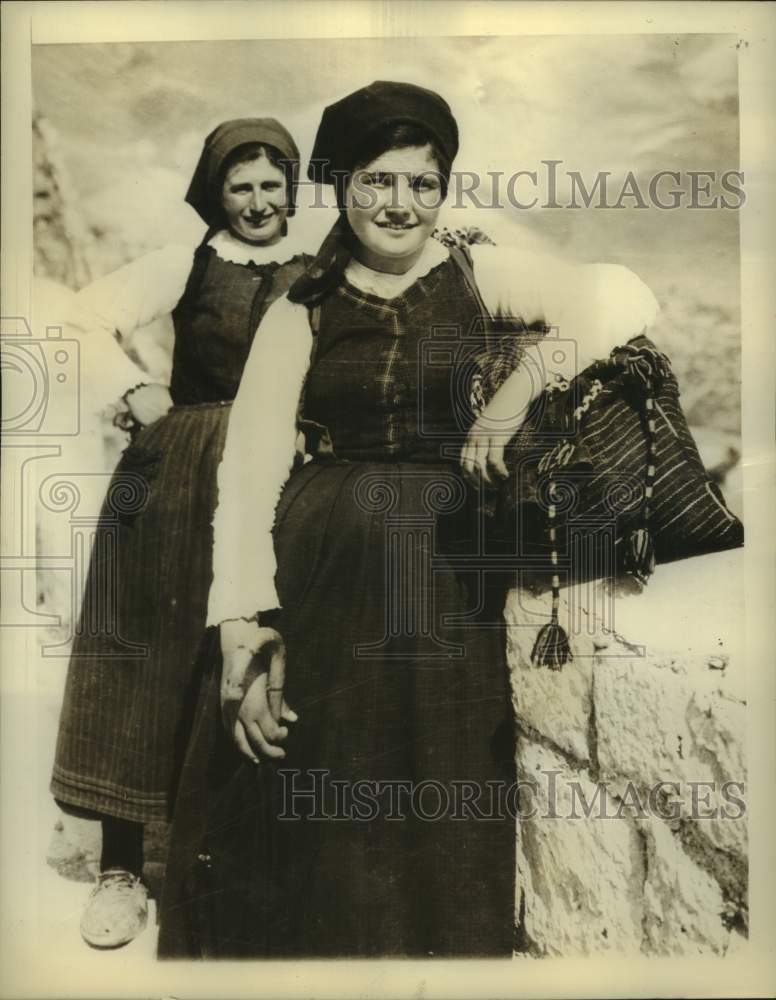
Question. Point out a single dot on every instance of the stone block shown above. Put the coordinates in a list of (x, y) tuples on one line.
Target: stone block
[(657, 725), (582, 878), (684, 910), (553, 703)]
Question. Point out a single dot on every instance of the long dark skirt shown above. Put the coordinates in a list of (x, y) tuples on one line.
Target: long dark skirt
[(387, 829), (133, 680)]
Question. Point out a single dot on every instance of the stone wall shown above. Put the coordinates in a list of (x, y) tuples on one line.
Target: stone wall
[(630, 839), (654, 695)]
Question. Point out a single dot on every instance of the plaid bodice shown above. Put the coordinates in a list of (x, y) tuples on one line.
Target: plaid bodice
[(215, 322), (394, 379)]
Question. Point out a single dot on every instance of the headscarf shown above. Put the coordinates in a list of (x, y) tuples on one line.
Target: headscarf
[(204, 194), (345, 129), (347, 124)]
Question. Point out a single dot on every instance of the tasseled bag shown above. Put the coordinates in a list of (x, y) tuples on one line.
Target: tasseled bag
[(612, 451), (616, 435)]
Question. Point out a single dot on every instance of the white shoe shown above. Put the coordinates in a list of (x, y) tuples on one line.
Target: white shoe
[(116, 911)]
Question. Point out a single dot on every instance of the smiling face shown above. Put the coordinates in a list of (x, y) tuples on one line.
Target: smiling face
[(392, 206), (255, 200)]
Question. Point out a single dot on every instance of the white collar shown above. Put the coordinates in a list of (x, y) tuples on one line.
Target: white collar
[(388, 286), (230, 248)]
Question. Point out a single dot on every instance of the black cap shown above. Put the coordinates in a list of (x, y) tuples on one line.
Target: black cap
[(346, 125)]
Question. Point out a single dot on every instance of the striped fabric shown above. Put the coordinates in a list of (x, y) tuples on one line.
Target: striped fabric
[(687, 512), (601, 463), (133, 680)]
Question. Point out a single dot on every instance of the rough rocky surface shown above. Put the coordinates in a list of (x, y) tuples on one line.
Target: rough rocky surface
[(571, 869), (633, 835)]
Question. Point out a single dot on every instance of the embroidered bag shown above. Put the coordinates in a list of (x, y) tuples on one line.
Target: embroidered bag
[(611, 454)]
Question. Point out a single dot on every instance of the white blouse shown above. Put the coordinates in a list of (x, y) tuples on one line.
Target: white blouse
[(599, 306), (137, 294)]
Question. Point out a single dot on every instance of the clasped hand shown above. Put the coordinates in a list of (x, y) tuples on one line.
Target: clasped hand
[(252, 680)]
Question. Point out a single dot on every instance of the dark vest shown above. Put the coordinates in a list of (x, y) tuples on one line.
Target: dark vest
[(392, 379), (216, 320)]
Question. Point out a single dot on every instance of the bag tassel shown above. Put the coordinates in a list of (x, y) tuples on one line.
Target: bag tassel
[(639, 554), (552, 648)]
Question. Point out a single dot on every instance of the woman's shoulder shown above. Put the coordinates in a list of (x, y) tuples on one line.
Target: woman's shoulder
[(283, 340), (622, 302), (608, 284), (285, 313)]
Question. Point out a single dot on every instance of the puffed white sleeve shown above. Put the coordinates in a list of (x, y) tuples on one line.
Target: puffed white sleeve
[(106, 312), (593, 307), (258, 456)]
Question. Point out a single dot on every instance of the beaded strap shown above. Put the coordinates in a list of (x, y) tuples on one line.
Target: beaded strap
[(645, 366)]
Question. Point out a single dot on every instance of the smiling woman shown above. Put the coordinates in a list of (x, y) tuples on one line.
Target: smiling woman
[(133, 663), (361, 566), (393, 202), (255, 195)]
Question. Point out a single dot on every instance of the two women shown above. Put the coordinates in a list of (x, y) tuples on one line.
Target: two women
[(133, 679), (351, 807)]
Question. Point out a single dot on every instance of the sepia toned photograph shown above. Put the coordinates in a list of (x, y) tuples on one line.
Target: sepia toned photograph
[(376, 509)]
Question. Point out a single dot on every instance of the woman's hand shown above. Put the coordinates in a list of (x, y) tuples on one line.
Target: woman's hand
[(252, 702), (148, 403), (483, 453), (482, 456)]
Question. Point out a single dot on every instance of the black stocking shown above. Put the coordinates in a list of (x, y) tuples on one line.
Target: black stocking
[(122, 845)]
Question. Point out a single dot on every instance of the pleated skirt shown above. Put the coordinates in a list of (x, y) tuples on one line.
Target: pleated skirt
[(358, 843), (133, 678)]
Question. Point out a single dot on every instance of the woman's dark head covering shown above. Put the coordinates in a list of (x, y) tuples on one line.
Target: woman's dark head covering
[(204, 194), (348, 127)]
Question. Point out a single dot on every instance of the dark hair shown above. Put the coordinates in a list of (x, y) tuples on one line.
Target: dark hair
[(254, 151), (394, 135), (326, 270)]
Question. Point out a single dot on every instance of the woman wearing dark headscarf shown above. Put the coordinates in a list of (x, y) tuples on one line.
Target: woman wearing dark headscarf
[(378, 820), (132, 679)]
